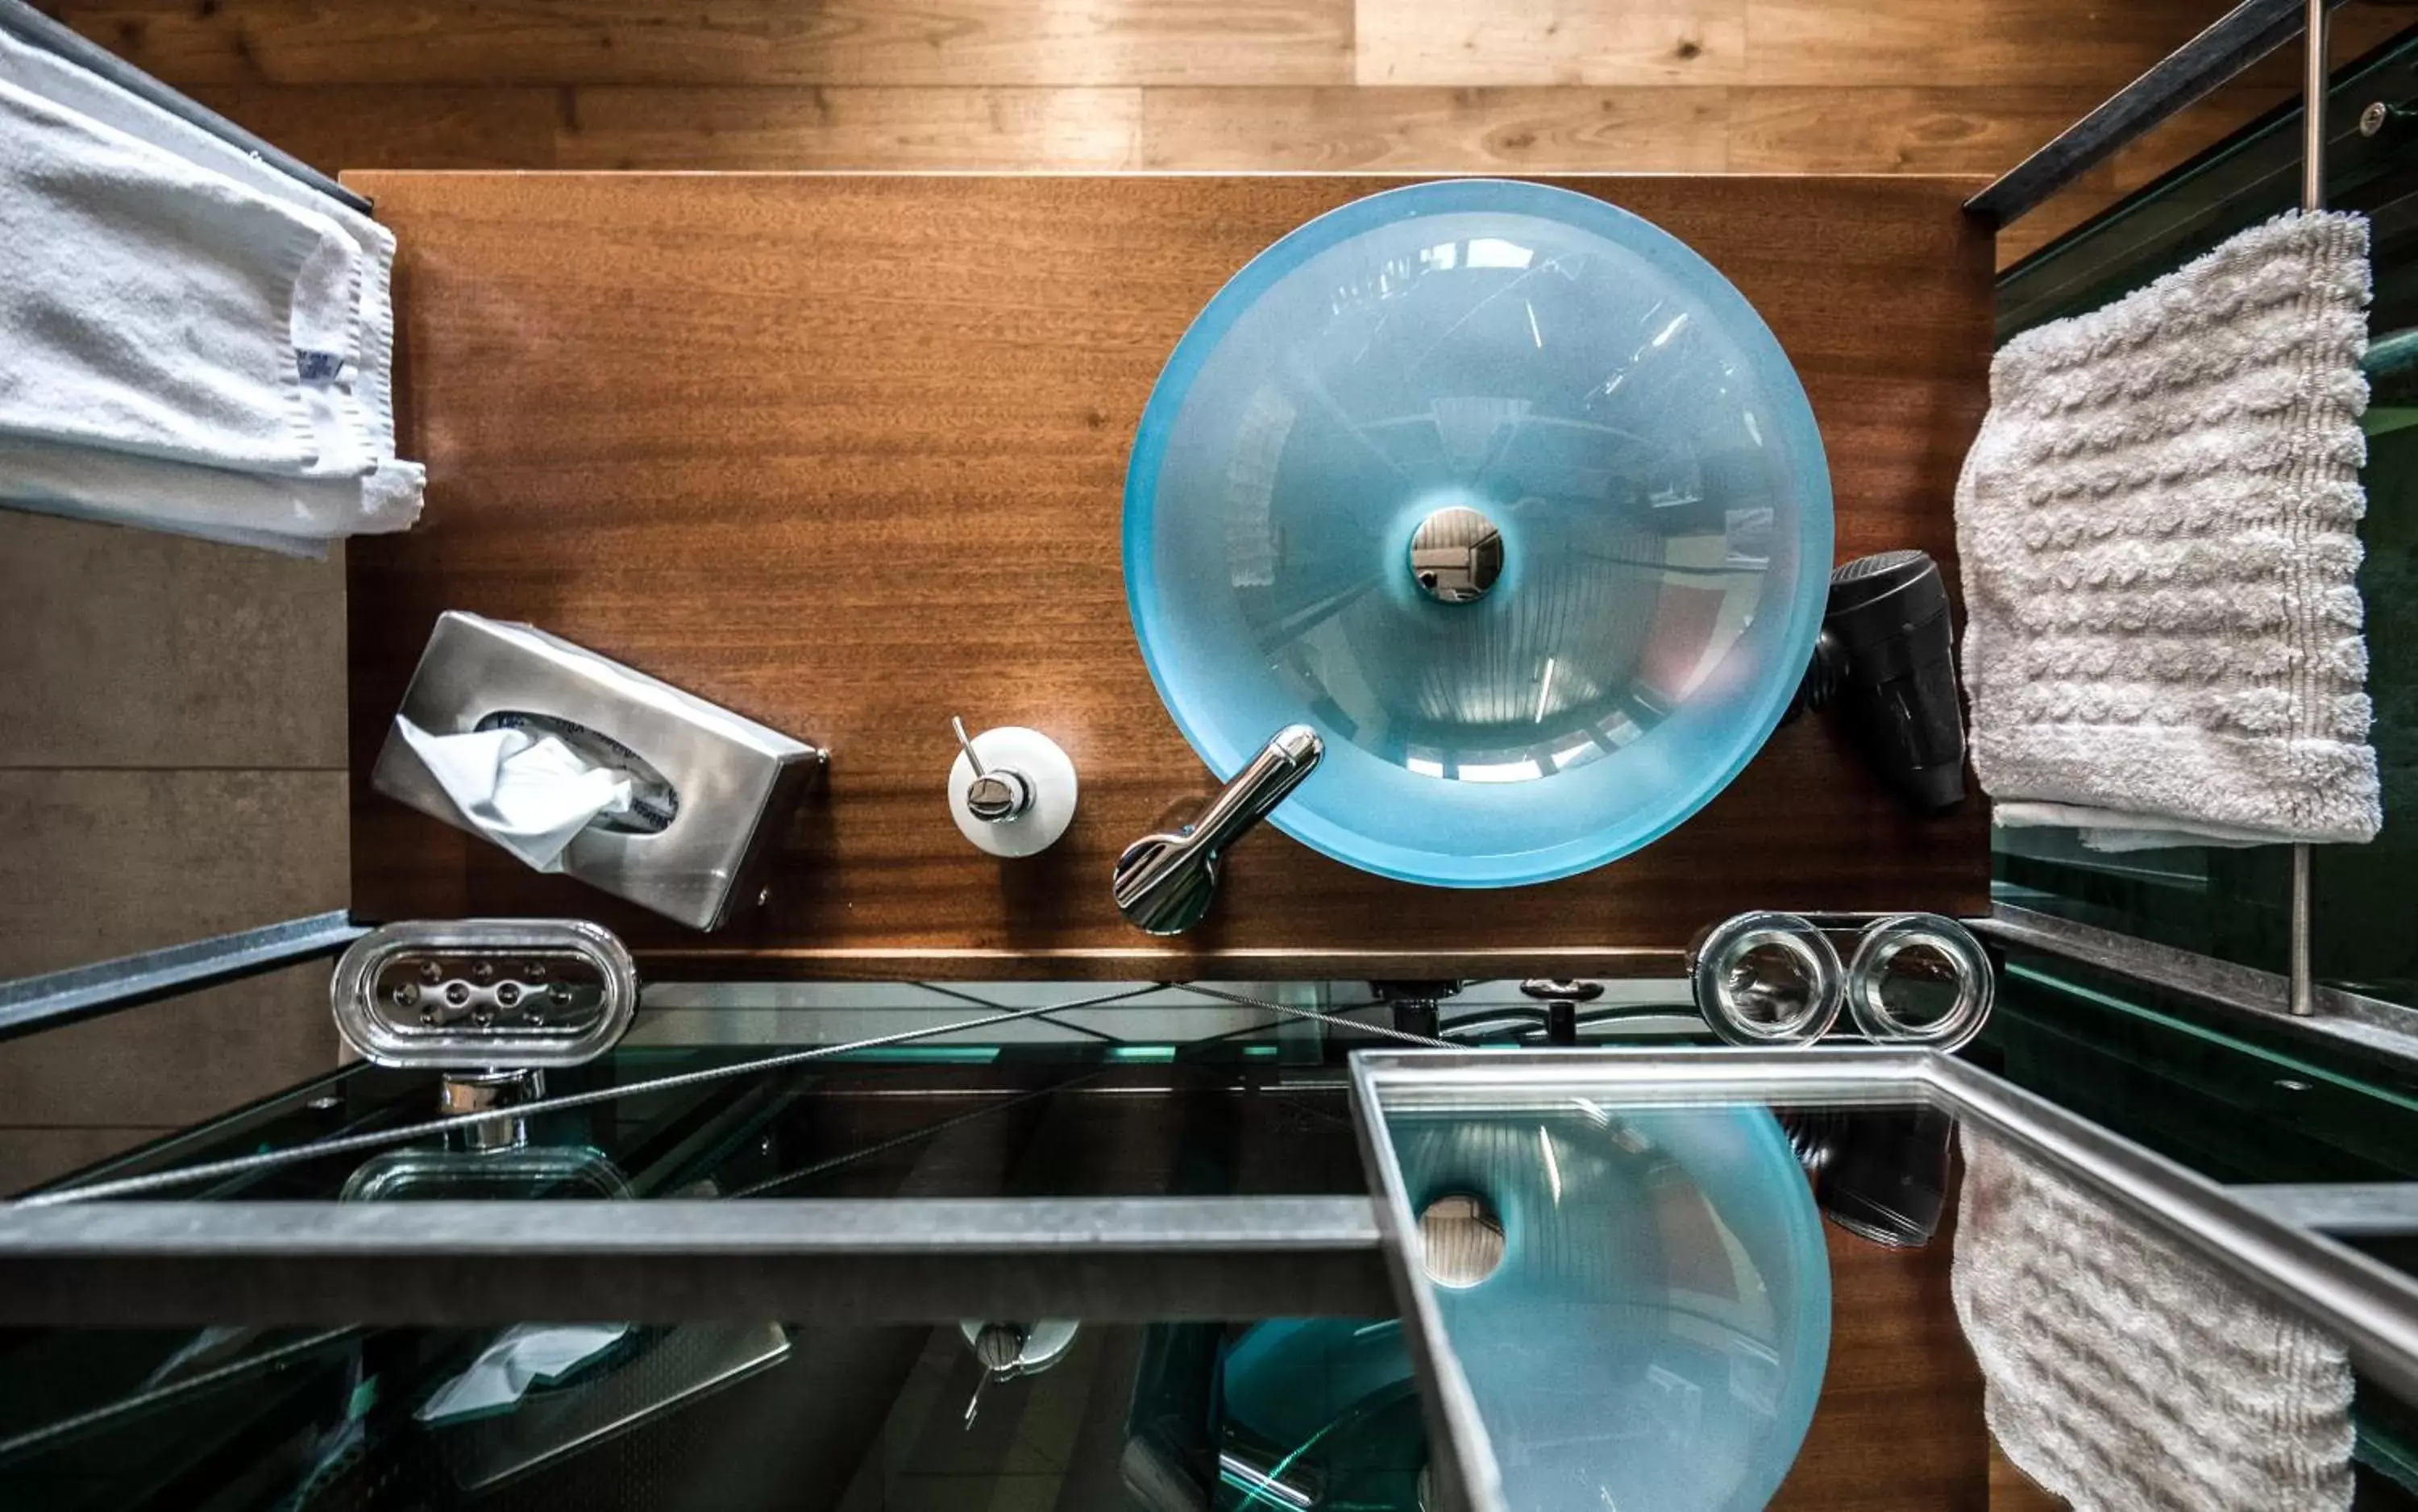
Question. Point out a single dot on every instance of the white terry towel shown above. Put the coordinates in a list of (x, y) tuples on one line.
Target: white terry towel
[(292, 514), (2156, 526), (2120, 1371), (159, 308), (77, 88), (357, 484)]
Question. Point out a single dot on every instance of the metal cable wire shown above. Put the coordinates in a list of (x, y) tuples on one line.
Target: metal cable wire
[(173, 1391), (985, 1002), (1008, 1101), (830, 1163), (346, 1144), (350, 1143), (1332, 1020)]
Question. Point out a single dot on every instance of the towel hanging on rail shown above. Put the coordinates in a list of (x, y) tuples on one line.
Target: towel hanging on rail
[(2119, 1371), (217, 359), (157, 308), (2156, 525)]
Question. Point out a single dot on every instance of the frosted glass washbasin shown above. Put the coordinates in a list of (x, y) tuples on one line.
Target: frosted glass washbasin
[(1655, 1331), (1649, 1327), (1508, 495)]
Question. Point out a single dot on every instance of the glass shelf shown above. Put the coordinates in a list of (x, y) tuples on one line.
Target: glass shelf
[(1686, 1276)]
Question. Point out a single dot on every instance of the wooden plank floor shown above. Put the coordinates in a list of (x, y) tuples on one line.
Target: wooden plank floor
[(1934, 86)]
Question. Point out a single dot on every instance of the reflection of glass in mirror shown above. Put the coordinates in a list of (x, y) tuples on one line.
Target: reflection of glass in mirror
[(1460, 1241), (1887, 1176)]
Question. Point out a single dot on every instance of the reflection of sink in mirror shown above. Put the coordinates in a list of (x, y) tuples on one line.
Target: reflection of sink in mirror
[(1324, 1408), (1508, 495), (1655, 1331), (1641, 1304)]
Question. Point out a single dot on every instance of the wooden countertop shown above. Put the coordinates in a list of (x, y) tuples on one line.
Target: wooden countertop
[(845, 452)]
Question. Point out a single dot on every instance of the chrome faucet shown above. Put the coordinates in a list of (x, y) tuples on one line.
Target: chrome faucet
[(1164, 882)]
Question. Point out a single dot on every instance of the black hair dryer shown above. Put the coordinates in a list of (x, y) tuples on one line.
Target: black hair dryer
[(1888, 657)]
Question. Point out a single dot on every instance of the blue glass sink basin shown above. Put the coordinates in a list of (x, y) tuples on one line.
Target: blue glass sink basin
[(1656, 1330), (1507, 494), (1653, 1331)]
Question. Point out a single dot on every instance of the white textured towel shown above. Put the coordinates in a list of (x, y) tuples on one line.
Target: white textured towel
[(293, 514), (2120, 1371), (2156, 527), (159, 308), (362, 398), (353, 482)]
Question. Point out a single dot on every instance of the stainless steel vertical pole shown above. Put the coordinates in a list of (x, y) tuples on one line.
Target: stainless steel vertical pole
[(2313, 197), (2305, 985), (2313, 110)]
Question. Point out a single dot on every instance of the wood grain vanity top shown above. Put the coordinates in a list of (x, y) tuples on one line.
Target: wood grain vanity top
[(845, 452)]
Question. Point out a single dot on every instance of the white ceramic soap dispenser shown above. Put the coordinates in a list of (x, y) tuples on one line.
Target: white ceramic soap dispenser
[(1011, 790)]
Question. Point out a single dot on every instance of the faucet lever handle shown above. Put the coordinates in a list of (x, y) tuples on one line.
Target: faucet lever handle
[(1165, 882)]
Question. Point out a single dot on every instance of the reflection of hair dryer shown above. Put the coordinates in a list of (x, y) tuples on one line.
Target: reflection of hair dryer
[(1889, 657), (1881, 1173)]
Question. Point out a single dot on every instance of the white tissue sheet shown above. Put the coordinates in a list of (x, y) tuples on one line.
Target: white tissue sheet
[(529, 794), (530, 1354)]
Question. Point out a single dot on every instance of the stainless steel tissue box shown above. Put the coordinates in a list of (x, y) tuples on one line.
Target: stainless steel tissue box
[(736, 782)]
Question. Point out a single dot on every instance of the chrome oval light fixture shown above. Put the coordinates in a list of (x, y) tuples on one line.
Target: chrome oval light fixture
[(1920, 980), (1768, 980), (485, 994)]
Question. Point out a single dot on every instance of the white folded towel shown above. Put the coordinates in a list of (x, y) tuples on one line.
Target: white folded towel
[(162, 309), (372, 348), (2156, 527), (2122, 1371), (295, 514), (343, 320)]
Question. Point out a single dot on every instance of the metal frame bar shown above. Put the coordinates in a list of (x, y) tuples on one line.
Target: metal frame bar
[(33, 1003), (1461, 1456), (2302, 997), (29, 25), (2235, 40), (892, 1259), (2372, 1025), (2365, 1209), (2371, 1307)]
